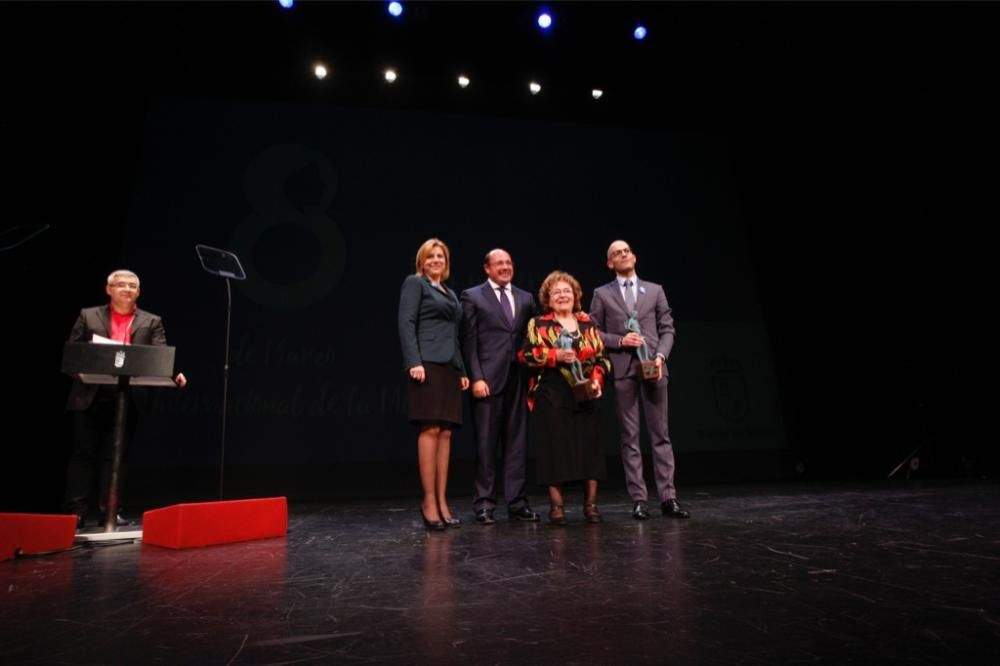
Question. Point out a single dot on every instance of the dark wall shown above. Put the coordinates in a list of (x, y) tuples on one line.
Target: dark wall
[(836, 191)]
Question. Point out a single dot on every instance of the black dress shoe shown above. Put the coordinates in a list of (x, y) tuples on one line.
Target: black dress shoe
[(673, 509), (640, 510), (485, 516), (78, 509), (523, 513), (452, 522), (119, 521), (433, 525)]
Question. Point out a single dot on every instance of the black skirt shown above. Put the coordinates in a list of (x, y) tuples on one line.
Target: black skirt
[(565, 434), (439, 399)]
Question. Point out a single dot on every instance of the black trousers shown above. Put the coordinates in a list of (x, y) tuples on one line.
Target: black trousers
[(93, 433)]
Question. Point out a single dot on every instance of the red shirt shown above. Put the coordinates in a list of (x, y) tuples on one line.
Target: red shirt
[(121, 327)]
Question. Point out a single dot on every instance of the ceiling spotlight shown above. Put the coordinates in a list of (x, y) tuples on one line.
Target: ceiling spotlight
[(544, 20), (640, 32), (390, 75), (597, 93), (320, 71), (395, 9), (463, 81), (287, 4), (534, 87)]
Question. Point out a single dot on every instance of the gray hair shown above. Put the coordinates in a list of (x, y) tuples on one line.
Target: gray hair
[(122, 271)]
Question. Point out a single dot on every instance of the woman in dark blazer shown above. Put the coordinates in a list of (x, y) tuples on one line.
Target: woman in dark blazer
[(429, 319)]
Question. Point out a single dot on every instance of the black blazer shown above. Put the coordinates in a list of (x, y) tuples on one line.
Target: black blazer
[(489, 342), (147, 329), (429, 322)]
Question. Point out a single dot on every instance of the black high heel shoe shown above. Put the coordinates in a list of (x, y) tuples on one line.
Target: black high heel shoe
[(432, 525), (451, 522)]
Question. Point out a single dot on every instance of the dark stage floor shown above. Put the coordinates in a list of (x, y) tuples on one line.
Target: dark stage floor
[(889, 573)]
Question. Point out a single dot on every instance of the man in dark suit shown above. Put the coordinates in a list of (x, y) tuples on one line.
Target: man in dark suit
[(496, 315), (613, 304), (93, 406)]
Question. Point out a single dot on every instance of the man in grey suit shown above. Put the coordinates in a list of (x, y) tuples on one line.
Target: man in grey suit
[(628, 297), (496, 315), (93, 406)]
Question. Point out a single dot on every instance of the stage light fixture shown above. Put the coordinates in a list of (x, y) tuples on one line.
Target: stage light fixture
[(287, 4), (390, 75), (395, 9), (544, 20), (534, 87), (463, 81), (597, 93), (640, 32), (320, 71)]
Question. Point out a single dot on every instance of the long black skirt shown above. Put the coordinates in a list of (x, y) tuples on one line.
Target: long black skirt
[(439, 399), (565, 434)]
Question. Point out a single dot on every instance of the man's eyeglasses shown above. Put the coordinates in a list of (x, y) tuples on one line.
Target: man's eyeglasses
[(125, 285), (622, 252)]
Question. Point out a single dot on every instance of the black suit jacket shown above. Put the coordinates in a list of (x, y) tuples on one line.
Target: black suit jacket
[(489, 343), (147, 329)]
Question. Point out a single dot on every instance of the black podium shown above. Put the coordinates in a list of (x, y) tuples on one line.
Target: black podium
[(123, 366)]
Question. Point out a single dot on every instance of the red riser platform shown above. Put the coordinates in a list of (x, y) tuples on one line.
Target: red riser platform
[(211, 523), (35, 533)]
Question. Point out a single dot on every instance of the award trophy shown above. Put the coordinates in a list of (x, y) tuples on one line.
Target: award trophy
[(583, 388), (648, 365)]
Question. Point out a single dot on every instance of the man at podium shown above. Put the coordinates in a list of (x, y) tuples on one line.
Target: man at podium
[(93, 406)]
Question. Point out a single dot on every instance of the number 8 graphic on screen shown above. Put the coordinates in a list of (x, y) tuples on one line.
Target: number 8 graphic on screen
[(265, 187)]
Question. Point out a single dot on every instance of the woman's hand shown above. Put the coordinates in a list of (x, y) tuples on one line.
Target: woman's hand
[(565, 355), (597, 388), (480, 388), (463, 383), (417, 373)]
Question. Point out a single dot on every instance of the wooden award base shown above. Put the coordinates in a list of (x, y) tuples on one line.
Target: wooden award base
[(649, 371), (583, 391)]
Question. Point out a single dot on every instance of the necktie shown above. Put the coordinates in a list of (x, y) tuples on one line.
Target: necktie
[(629, 297), (505, 306)]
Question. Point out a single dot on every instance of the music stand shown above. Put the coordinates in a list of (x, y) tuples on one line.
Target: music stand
[(124, 366), (224, 264)]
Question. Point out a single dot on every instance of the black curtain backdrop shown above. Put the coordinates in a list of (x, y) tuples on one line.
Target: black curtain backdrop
[(326, 206), (821, 217)]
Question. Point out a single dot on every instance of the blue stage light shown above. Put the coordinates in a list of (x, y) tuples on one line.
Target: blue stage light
[(544, 20), (639, 32), (395, 8), (287, 4)]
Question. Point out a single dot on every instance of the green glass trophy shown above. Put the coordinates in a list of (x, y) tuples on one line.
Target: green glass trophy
[(648, 365), (583, 388)]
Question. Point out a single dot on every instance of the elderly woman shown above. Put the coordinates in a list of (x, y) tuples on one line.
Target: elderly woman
[(564, 346), (429, 320)]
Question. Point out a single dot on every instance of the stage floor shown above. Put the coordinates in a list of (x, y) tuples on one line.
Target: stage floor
[(902, 573)]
